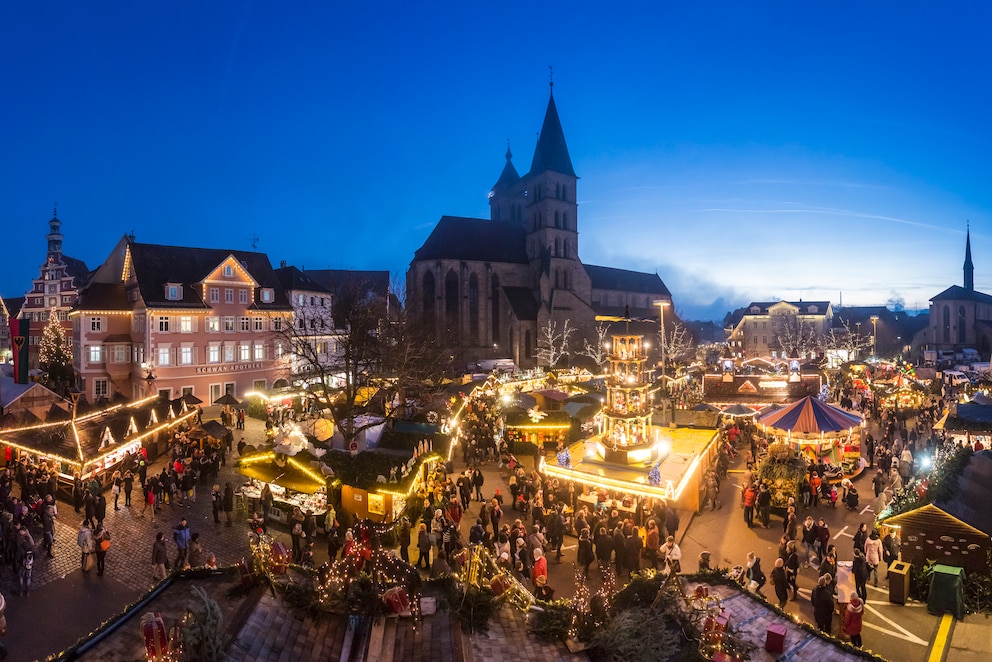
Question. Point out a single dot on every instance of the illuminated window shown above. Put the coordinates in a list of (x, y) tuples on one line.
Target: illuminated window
[(164, 357), (96, 353), (119, 354), (229, 353), (186, 324), (228, 324), (259, 352), (244, 352), (267, 295), (213, 324), (213, 354), (186, 356)]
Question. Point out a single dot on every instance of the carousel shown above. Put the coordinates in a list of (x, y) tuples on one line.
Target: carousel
[(818, 431)]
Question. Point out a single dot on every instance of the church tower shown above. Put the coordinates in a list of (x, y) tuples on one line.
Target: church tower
[(969, 268)]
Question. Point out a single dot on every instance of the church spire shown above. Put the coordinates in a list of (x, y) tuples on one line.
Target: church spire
[(969, 267), (509, 176), (551, 152)]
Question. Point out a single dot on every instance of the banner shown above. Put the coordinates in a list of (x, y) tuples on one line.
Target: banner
[(19, 346)]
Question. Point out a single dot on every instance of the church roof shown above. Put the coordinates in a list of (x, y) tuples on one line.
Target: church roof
[(350, 281), (609, 278), (509, 176), (474, 239), (522, 302), (958, 293), (551, 152)]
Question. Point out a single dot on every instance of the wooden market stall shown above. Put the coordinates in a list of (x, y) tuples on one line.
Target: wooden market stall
[(954, 532)]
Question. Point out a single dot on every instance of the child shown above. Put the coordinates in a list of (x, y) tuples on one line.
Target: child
[(833, 496)]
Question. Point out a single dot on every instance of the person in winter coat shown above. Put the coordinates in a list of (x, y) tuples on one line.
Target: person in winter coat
[(540, 568), (604, 548), (652, 542), (809, 540), (85, 541), (99, 535), (792, 567), (160, 557), (755, 573), (781, 583), (585, 555), (748, 499), (424, 547), (853, 616), (859, 569), (822, 537), (671, 520), (823, 604), (873, 554), (860, 537), (672, 554)]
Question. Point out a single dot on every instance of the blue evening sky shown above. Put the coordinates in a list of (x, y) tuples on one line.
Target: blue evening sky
[(743, 150)]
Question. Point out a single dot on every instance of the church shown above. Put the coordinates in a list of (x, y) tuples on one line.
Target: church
[(491, 287), (960, 316)]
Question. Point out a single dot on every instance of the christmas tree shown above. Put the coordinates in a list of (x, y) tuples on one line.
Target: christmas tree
[(55, 355)]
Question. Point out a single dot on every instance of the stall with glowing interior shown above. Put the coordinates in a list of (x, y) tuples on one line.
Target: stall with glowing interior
[(98, 441)]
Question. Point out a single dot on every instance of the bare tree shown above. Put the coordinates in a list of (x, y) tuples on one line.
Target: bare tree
[(552, 346), (793, 333), (597, 351), (678, 343), (844, 340)]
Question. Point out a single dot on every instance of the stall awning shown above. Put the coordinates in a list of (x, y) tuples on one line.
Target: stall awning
[(287, 476)]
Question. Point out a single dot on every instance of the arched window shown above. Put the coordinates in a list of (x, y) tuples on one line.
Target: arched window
[(528, 350), (428, 301), (557, 191), (557, 247), (452, 321), (473, 308), (557, 219), (947, 323), (961, 324), (557, 279), (564, 220), (495, 308)]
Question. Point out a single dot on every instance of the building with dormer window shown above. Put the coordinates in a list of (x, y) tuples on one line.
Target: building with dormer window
[(762, 328), (178, 320)]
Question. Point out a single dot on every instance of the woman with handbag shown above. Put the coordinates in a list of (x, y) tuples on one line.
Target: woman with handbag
[(101, 541)]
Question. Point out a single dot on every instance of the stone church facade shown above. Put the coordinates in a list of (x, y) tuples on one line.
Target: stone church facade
[(488, 287)]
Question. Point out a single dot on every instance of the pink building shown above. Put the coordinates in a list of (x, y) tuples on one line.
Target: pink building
[(180, 320)]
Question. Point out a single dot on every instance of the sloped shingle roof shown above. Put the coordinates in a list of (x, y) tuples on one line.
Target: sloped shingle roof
[(474, 239), (609, 278)]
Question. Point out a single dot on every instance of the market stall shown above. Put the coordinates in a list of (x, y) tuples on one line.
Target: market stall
[(293, 483), (817, 430)]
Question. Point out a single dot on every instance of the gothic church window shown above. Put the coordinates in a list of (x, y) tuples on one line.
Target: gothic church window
[(961, 324)]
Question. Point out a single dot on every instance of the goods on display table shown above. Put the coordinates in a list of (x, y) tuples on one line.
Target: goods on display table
[(284, 500)]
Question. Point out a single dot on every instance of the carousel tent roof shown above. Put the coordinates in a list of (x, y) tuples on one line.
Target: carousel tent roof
[(981, 399), (286, 476), (811, 416)]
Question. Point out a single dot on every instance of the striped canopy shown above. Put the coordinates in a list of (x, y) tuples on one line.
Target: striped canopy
[(810, 416)]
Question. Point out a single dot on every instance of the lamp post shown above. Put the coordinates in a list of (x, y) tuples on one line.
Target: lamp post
[(661, 303), (857, 341), (874, 336)]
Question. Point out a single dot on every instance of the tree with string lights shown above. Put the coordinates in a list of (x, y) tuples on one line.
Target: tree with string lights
[(55, 355)]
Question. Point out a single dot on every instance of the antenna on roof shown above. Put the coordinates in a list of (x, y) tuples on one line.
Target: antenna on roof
[(254, 241)]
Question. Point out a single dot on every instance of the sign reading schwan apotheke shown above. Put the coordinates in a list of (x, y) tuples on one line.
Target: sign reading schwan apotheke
[(230, 368)]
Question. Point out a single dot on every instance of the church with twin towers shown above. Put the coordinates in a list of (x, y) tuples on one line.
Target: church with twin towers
[(490, 286)]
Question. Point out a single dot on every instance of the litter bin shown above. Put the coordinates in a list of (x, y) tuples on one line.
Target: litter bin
[(898, 582)]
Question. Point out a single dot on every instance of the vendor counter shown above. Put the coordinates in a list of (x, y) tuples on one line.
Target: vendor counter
[(283, 502), (593, 503)]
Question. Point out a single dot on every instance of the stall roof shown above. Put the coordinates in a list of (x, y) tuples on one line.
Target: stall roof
[(287, 476)]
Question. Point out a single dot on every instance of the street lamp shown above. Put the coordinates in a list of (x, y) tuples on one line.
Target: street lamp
[(661, 303), (874, 336)]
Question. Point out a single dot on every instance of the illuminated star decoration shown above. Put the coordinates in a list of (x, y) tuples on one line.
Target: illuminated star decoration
[(536, 415)]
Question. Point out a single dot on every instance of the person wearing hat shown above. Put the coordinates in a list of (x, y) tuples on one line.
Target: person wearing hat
[(853, 616), (543, 591)]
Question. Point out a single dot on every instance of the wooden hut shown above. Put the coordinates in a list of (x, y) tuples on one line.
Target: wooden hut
[(956, 532)]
